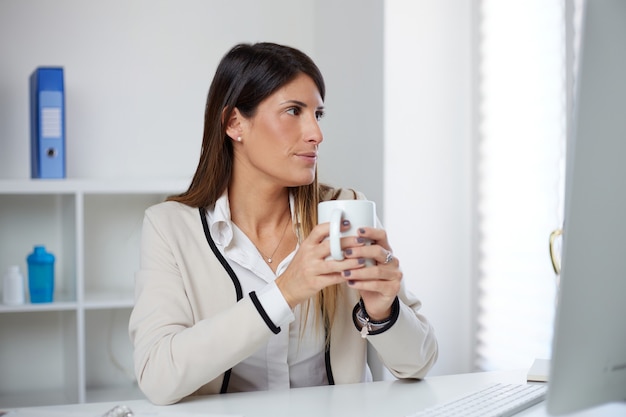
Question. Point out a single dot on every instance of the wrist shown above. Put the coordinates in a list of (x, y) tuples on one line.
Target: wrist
[(280, 283), (366, 325), (378, 318)]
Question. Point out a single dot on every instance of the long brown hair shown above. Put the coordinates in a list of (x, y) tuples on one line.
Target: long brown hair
[(245, 76)]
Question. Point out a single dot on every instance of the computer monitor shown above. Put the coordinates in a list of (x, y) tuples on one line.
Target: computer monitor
[(588, 364)]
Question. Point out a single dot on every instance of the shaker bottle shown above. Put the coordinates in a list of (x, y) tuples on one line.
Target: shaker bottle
[(40, 275)]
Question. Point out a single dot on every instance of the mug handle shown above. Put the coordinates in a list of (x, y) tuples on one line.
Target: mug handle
[(335, 235)]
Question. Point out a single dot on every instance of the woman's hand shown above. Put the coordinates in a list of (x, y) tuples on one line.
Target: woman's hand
[(309, 271), (379, 284)]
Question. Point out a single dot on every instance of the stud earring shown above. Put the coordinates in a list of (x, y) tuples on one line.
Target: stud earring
[(238, 138)]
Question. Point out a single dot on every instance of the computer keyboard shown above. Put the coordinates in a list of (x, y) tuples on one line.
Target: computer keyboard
[(497, 400)]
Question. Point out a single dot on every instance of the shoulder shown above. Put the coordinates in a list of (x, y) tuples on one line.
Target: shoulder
[(172, 212), (331, 193), (174, 222), (170, 207)]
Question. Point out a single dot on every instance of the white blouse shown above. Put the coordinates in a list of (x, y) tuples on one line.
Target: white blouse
[(289, 359)]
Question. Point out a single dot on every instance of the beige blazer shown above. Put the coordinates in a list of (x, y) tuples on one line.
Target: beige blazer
[(188, 329)]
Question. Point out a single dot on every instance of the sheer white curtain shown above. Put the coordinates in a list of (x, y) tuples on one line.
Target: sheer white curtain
[(521, 154)]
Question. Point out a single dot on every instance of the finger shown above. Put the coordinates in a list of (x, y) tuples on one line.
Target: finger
[(378, 253), (387, 257), (319, 233), (372, 233), (382, 272), (384, 288), (345, 267), (322, 230), (354, 242)]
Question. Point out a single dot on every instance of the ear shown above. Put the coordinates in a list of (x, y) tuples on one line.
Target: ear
[(234, 124)]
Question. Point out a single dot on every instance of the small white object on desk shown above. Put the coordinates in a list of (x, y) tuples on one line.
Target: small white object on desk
[(539, 371)]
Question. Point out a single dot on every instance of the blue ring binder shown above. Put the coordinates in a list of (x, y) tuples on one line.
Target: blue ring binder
[(47, 117)]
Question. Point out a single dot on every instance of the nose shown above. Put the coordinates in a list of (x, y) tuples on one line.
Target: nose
[(312, 131)]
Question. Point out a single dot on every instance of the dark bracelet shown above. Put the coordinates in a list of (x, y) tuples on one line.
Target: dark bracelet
[(369, 326)]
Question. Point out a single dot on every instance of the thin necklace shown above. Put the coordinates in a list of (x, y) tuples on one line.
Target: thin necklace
[(270, 258)]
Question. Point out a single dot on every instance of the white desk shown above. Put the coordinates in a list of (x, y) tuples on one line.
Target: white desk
[(376, 399)]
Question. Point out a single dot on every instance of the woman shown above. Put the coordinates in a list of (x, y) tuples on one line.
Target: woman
[(234, 291)]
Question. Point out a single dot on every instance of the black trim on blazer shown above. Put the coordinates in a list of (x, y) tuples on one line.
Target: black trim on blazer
[(219, 256), (329, 369), (232, 276), (226, 381), (263, 313)]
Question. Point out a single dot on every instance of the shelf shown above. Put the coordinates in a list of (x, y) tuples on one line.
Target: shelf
[(76, 348), (39, 307), (113, 186), (97, 302)]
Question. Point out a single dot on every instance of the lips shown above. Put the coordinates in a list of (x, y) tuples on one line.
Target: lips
[(310, 157)]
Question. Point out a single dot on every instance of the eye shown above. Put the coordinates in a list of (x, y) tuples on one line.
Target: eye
[(294, 111), (319, 115)]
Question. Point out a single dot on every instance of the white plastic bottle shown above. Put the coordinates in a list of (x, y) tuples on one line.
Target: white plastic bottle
[(13, 286)]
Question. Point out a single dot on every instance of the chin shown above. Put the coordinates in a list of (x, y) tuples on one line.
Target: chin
[(300, 181)]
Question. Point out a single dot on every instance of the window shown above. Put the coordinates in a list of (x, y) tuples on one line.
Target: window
[(521, 156)]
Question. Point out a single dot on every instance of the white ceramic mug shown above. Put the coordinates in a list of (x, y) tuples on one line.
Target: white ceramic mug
[(360, 213)]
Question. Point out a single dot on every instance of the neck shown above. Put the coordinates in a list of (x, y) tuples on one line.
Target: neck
[(266, 222), (255, 210)]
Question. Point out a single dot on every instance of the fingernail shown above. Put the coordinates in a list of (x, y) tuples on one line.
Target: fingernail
[(347, 273), (361, 261), (361, 230), (360, 240), (345, 222), (351, 282), (348, 251)]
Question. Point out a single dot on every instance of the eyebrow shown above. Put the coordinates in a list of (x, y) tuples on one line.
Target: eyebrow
[(301, 104)]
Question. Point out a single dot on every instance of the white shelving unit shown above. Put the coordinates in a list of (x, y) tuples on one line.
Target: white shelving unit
[(75, 349)]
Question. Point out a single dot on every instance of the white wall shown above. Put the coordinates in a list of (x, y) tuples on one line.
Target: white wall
[(349, 50), (427, 188)]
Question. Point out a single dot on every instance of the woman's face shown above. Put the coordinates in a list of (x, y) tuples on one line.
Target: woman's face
[(279, 143)]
